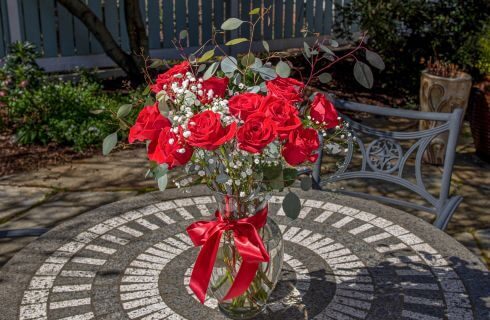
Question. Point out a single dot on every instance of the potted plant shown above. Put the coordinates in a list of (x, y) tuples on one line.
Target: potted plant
[(443, 87)]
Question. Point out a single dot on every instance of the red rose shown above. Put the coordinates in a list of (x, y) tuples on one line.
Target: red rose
[(218, 85), (244, 104), (323, 111), (286, 88), (300, 146), (148, 124), (168, 76), (282, 113), (207, 132), (169, 149), (257, 132)]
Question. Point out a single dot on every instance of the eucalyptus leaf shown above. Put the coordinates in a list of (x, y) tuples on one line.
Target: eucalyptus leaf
[(306, 183), (254, 89), (206, 56), (147, 90), (183, 34), (109, 143), (201, 68), (124, 110), (307, 49), (291, 205), (156, 63), (163, 107), (334, 43), (211, 71), (363, 74), (266, 45), (326, 50), (282, 69), (267, 73), (237, 79), (236, 41), (325, 77), (257, 64), (231, 24), (254, 11), (162, 182), (229, 64), (375, 60), (248, 59), (222, 178)]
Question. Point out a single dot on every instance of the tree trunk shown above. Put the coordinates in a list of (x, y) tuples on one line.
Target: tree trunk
[(80, 10), (138, 39)]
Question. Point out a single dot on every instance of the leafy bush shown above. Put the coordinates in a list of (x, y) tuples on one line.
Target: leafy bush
[(43, 110), (484, 46), (407, 32)]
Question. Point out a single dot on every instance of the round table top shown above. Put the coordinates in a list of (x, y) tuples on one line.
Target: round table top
[(345, 258)]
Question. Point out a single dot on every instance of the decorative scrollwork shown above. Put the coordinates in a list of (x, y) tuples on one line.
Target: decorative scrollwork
[(384, 155)]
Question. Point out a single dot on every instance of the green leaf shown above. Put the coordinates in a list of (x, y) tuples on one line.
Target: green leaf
[(222, 178), (254, 11), (306, 183), (289, 175), (229, 64), (267, 73), (156, 63), (307, 49), (363, 74), (163, 107), (149, 101), (147, 90), (375, 60), (291, 205), (282, 69), (236, 41), (231, 24), (272, 172), (109, 143), (183, 34), (326, 50), (124, 110), (325, 77), (201, 68), (334, 43), (211, 70), (206, 56), (162, 182), (266, 45), (248, 59)]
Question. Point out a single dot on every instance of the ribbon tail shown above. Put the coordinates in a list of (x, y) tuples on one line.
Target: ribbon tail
[(203, 268), (242, 280)]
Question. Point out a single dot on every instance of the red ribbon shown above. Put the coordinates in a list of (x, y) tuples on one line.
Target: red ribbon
[(248, 242)]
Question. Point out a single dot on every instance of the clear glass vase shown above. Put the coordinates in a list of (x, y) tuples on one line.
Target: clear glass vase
[(228, 261)]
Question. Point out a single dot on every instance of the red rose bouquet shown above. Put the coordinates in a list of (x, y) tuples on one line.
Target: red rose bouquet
[(241, 126)]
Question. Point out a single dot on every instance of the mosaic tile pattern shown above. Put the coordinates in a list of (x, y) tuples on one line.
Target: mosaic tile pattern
[(340, 263)]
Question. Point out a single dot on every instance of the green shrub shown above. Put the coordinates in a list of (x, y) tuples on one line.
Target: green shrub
[(484, 46), (42, 110), (406, 32)]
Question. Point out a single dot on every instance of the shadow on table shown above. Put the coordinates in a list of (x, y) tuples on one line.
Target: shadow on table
[(406, 289)]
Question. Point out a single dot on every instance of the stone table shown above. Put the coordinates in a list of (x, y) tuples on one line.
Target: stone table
[(345, 258)]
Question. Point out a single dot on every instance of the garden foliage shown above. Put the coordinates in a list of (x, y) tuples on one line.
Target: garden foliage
[(406, 33), (45, 110)]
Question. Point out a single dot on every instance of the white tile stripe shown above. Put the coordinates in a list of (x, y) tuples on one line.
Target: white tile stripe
[(72, 288), (69, 303)]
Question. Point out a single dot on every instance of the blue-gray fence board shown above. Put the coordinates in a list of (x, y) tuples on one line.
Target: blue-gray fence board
[(4, 29), (30, 13), (65, 21), (57, 33), (193, 9), (48, 28), (154, 24), (96, 7), (168, 23)]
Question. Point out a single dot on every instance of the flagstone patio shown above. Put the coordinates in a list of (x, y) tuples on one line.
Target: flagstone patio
[(44, 198)]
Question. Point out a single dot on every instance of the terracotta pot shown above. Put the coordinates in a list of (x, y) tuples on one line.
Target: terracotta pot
[(479, 118), (439, 94)]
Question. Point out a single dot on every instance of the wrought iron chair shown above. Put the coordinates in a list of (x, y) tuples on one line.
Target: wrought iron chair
[(384, 159)]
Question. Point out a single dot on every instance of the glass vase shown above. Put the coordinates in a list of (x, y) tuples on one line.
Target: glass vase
[(228, 261)]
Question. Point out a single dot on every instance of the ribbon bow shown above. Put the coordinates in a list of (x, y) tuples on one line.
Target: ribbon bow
[(248, 242)]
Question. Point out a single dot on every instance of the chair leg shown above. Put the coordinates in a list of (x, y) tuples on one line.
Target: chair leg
[(447, 212)]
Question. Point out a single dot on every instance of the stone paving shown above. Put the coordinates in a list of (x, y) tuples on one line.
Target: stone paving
[(44, 198)]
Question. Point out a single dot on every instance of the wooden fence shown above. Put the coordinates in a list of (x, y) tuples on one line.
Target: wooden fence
[(65, 43)]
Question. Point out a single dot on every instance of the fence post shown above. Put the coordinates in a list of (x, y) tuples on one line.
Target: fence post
[(14, 20), (234, 13)]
